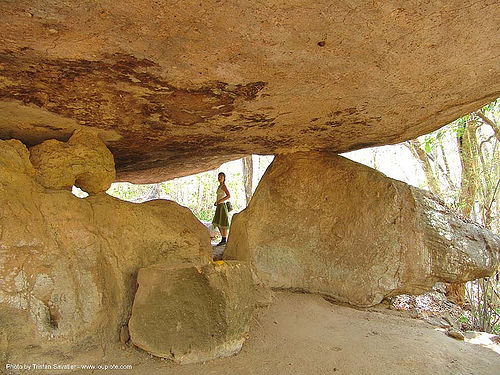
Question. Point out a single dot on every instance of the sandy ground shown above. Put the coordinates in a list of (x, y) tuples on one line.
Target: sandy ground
[(305, 334)]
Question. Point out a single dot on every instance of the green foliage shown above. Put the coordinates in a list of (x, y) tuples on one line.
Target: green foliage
[(428, 144), (430, 141), (493, 107), (471, 140), (127, 191), (484, 298), (496, 330)]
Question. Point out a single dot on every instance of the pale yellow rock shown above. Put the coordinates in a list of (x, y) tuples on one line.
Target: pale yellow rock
[(15, 157), (322, 223), (83, 161), (68, 266), (456, 334), (4, 346), (192, 314)]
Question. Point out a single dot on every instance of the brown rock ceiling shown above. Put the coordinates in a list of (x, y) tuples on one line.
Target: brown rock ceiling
[(176, 87)]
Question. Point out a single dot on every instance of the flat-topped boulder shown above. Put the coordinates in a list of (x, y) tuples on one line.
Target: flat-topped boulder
[(322, 223), (192, 314), (174, 88)]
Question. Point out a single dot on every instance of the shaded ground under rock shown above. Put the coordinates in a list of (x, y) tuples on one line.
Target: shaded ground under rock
[(304, 334), (218, 251)]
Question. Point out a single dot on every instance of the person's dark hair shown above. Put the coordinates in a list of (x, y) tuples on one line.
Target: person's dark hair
[(223, 174)]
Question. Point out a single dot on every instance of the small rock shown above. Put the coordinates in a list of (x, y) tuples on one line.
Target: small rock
[(437, 321), (263, 296), (452, 322), (455, 334), (124, 335)]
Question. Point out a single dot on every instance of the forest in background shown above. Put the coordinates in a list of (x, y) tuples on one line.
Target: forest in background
[(458, 162), (197, 192)]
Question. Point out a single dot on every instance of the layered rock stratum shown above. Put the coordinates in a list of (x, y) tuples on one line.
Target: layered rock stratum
[(322, 223), (179, 87), (68, 266)]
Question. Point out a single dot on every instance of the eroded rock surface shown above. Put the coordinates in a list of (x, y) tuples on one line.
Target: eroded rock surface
[(68, 266), (83, 161), (179, 87), (322, 223), (192, 314)]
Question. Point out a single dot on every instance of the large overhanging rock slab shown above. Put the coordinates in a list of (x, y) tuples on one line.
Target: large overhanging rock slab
[(192, 314), (179, 87), (325, 224), (68, 266)]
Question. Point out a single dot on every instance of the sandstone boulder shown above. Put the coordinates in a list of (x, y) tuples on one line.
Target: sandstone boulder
[(322, 223), (15, 157), (176, 87), (84, 161), (68, 266), (192, 314)]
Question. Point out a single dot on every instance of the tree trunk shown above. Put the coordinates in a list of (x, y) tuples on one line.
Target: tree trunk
[(423, 159), (467, 149), (247, 164), (494, 125), (492, 184)]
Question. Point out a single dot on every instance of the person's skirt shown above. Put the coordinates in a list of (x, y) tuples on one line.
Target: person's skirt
[(221, 217)]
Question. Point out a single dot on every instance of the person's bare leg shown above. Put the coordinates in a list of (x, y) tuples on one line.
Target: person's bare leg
[(223, 232)]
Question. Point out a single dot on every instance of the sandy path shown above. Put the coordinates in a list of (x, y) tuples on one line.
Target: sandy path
[(304, 334)]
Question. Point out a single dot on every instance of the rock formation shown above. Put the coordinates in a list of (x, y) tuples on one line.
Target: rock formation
[(192, 314), (83, 161), (322, 223), (173, 88), (179, 87), (68, 266)]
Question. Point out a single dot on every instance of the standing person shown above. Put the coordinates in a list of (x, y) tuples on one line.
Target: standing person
[(221, 217)]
